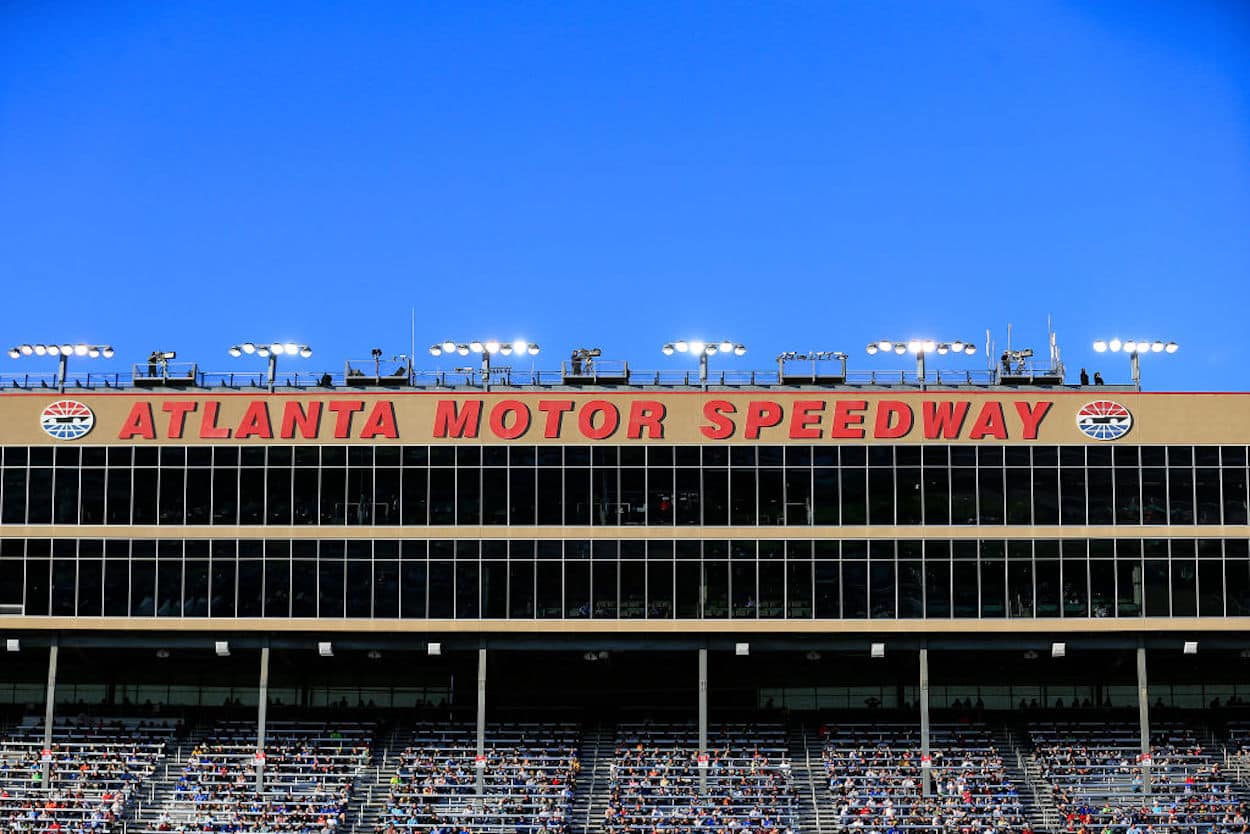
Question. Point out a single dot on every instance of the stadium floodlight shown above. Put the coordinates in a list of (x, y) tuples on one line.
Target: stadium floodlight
[(271, 351), (702, 349), (222, 647), (877, 650), (63, 352), (325, 649), (1135, 348), (486, 348), (434, 649), (1190, 647), (1058, 650), (12, 644), (742, 649), (920, 347)]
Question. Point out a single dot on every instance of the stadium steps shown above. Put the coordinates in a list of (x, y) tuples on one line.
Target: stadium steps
[(157, 793), (1039, 808), (590, 792), (368, 803), (814, 811), (1045, 814)]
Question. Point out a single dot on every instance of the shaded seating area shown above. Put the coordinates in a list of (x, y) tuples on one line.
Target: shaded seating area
[(654, 783), (527, 775), (94, 766), (875, 776), (1095, 776), (309, 772)]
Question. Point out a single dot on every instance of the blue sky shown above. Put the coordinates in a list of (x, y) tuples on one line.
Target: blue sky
[(788, 175)]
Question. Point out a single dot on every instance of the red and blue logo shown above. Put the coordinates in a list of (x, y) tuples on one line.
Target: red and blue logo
[(1104, 420), (67, 420)]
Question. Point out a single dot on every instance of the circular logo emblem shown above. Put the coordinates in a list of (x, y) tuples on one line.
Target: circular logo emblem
[(67, 420), (1104, 420)]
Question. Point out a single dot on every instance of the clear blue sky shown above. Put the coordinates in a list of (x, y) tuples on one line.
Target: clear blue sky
[(799, 175)]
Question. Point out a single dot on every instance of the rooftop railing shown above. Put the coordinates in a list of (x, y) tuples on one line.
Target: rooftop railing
[(185, 375)]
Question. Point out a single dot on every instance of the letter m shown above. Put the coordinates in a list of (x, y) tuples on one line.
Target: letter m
[(450, 421)]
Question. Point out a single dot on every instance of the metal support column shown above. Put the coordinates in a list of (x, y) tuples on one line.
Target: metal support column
[(925, 762), (1143, 711), (480, 761), (703, 758), (48, 715), (262, 707)]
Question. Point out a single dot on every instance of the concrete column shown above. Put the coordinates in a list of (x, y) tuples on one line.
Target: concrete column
[(49, 710), (703, 762), (1143, 712), (925, 761), (480, 762), (262, 708)]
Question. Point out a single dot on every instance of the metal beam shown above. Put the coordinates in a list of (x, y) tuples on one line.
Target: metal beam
[(262, 708), (1143, 713), (703, 762), (925, 761), (49, 710), (479, 762)]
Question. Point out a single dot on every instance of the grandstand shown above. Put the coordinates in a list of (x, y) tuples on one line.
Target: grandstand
[(604, 601)]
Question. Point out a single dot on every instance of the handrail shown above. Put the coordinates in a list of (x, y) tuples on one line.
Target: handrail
[(141, 375)]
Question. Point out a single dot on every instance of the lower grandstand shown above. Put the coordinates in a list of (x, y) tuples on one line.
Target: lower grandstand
[(829, 741)]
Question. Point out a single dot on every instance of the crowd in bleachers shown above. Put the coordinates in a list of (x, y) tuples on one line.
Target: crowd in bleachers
[(309, 769), (92, 767), (1096, 778), (655, 780), (876, 776), (527, 780)]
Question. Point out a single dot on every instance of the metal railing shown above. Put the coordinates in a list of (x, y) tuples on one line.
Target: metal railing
[(472, 377)]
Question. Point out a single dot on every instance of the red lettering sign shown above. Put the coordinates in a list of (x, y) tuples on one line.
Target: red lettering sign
[(509, 419), (177, 412), (586, 419), (989, 423), (452, 421), (648, 414), (943, 419), (138, 423), (762, 414), (1032, 418), (893, 419), (555, 411), (307, 422), (716, 411), (804, 424), (380, 422), (209, 429), (848, 418), (255, 422)]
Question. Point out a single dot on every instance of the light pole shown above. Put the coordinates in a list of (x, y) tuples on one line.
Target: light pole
[(703, 350), (1134, 348), (921, 348), (271, 352), (486, 349), (63, 351)]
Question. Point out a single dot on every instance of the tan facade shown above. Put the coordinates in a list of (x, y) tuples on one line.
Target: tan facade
[(626, 417)]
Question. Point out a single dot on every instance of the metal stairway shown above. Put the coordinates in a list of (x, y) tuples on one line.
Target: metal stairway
[(1039, 807), (367, 806), (590, 793), (814, 811)]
